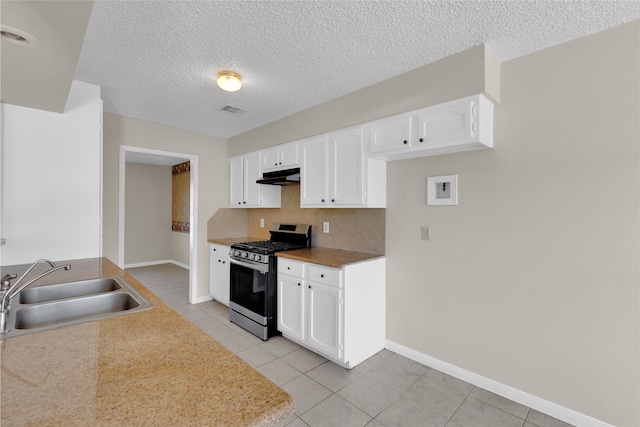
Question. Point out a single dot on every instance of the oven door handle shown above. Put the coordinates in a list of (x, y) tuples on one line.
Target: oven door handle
[(262, 268)]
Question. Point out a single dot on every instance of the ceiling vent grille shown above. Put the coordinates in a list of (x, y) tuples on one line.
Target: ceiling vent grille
[(230, 109)]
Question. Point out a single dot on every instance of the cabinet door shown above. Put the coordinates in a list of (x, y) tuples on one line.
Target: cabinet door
[(291, 306), (313, 172), (269, 159), (391, 135), (347, 171), (453, 123), (219, 273), (289, 155), (251, 173), (324, 313), (236, 167)]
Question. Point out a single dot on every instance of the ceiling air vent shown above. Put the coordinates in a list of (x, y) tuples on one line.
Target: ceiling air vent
[(233, 110)]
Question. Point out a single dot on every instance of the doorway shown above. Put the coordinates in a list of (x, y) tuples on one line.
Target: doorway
[(130, 154)]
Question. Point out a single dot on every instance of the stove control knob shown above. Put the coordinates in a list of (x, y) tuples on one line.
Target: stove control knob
[(257, 257), (245, 255)]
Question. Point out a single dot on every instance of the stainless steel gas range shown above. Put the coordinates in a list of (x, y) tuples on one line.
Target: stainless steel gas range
[(253, 287)]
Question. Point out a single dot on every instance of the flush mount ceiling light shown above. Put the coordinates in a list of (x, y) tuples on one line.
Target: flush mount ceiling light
[(18, 37), (229, 81)]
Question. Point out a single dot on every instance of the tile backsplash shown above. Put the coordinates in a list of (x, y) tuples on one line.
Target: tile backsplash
[(360, 230)]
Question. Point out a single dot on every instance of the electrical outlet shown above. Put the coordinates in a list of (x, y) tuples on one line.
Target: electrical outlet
[(262, 222), (325, 227), (426, 233)]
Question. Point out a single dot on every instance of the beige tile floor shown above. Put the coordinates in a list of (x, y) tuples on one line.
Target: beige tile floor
[(385, 390)]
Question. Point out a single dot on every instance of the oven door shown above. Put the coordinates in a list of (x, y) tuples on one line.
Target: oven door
[(248, 289)]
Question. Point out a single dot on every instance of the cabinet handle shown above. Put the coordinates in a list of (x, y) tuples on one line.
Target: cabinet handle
[(322, 200), (333, 200), (322, 275), (405, 141), (309, 286), (275, 164), (239, 203), (421, 139), (244, 202), (298, 284), (288, 268)]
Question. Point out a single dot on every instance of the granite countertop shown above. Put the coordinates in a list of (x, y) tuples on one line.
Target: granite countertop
[(336, 258), (228, 241), (150, 368)]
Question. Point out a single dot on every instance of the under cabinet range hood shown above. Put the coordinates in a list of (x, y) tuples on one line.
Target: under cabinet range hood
[(283, 177)]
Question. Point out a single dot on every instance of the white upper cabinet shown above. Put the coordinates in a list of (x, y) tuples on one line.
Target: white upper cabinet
[(245, 193), (283, 156), (460, 125), (346, 167), (392, 134), (335, 172), (313, 171)]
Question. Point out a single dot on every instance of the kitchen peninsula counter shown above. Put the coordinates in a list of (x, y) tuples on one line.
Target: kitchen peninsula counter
[(151, 368), (328, 257)]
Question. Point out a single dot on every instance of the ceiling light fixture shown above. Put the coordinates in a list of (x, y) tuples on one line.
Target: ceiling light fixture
[(229, 81), (18, 37)]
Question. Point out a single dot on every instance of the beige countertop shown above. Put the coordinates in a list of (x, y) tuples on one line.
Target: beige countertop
[(336, 258), (151, 368), (228, 241)]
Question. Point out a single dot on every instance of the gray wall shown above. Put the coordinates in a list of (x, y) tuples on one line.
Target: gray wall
[(533, 280), (147, 213)]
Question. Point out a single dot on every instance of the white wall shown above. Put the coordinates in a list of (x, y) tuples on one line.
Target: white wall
[(51, 174), (147, 214), (213, 177)]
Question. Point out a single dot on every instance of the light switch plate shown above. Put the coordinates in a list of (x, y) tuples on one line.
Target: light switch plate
[(262, 222), (426, 233)]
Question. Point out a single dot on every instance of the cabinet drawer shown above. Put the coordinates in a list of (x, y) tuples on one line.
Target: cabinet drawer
[(326, 275), (292, 268), (219, 250)]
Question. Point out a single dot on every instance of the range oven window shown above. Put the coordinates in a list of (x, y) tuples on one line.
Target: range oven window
[(248, 288)]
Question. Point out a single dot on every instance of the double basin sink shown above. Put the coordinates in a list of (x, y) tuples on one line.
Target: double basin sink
[(46, 307)]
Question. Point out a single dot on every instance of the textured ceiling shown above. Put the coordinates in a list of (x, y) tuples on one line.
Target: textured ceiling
[(157, 60)]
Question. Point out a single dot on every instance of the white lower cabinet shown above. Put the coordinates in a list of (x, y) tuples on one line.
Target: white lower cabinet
[(336, 312), (324, 313), (219, 271)]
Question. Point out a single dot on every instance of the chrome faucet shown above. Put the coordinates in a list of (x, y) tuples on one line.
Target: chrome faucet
[(9, 291)]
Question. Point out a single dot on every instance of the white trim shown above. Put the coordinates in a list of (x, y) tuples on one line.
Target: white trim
[(158, 262), (193, 202), (552, 409), (202, 299)]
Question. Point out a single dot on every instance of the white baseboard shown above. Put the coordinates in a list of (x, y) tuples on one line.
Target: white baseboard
[(203, 299), (162, 261), (544, 406)]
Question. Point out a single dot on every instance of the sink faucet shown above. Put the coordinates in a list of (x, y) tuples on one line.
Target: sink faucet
[(9, 291)]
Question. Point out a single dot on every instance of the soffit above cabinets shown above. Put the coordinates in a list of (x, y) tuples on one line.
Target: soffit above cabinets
[(41, 77)]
